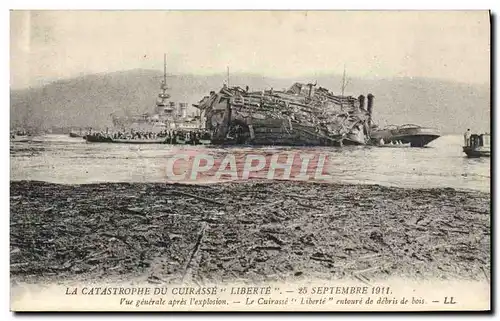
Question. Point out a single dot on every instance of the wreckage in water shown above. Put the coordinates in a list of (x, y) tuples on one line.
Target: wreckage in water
[(304, 115)]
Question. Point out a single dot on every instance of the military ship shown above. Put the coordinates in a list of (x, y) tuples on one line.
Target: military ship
[(413, 135), (303, 115), (168, 124), (167, 115)]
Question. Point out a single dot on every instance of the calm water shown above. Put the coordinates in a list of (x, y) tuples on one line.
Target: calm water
[(61, 159)]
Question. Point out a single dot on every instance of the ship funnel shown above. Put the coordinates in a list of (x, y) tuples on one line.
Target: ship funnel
[(370, 103), (361, 100), (370, 109)]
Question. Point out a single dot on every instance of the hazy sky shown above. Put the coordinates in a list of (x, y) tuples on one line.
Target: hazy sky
[(48, 45)]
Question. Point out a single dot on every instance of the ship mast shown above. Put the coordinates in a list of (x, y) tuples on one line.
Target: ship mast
[(164, 87), (228, 76), (165, 68), (344, 85), (343, 82)]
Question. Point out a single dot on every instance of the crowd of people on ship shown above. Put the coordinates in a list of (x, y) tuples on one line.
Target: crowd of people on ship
[(194, 136)]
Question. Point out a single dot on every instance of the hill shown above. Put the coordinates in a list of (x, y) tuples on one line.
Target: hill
[(89, 100)]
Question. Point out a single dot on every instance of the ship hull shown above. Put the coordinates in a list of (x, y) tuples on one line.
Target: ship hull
[(354, 139), (22, 139), (138, 141), (100, 139), (414, 136), (178, 141), (416, 140), (472, 152), (276, 132)]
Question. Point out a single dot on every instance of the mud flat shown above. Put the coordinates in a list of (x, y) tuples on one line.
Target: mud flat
[(251, 232)]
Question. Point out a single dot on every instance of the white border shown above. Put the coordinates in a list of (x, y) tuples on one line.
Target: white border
[(189, 4), (257, 5)]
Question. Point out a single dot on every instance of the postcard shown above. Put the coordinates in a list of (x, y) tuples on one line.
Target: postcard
[(250, 161)]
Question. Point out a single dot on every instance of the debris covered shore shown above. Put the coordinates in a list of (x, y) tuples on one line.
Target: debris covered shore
[(253, 231)]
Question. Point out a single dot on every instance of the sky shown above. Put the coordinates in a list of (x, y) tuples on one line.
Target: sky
[(450, 45)]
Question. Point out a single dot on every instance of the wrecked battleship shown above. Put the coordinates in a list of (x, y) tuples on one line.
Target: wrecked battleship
[(303, 115)]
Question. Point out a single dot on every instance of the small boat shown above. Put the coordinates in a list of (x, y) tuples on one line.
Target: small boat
[(391, 143), (415, 135), (139, 141), (478, 146), (20, 136), (396, 145), (103, 139), (180, 141), (74, 135), (205, 141), (20, 139)]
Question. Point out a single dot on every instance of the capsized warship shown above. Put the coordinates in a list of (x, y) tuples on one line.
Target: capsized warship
[(303, 115)]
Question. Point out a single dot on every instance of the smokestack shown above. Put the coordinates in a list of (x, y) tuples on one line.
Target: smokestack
[(310, 90), (370, 109), (361, 100), (370, 103)]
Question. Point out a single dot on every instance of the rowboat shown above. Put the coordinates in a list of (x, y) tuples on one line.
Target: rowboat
[(396, 145)]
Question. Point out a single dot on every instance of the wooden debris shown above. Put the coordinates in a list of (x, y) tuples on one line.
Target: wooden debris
[(198, 197), (264, 233), (369, 256), (369, 270), (361, 278), (276, 239), (485, 274), (195, 250), (315, 258), (310, 206)]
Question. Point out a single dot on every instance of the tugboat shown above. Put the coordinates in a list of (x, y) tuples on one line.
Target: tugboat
[(478, 146), (414, 135)]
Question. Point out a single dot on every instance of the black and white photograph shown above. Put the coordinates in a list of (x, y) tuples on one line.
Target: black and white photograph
[(268, 160)]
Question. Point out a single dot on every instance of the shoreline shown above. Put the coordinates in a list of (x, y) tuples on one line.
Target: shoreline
[(253, 180), (255, 231)]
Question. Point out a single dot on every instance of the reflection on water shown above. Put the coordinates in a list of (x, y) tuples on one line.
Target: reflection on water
[(61, 159)]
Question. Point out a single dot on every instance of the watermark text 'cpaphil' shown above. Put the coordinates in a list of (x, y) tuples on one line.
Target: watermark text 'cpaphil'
[(244, 166)]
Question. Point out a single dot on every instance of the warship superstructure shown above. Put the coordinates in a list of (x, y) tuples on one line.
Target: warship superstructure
[(169, 124), (167, 115)]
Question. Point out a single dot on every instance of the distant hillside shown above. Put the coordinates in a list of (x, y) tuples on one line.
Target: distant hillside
[(89, 100)]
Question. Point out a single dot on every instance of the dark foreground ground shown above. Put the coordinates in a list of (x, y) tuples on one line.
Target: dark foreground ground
[(253, 231)]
